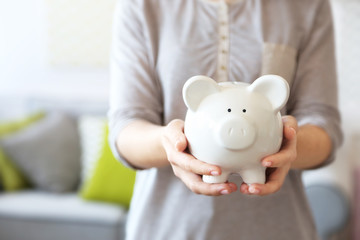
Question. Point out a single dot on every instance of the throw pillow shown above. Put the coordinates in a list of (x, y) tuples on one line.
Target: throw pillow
[(92, 133), (11, 178), (47, 152), (110, 180)]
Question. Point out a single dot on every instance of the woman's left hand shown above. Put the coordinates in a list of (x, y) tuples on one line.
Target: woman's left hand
[(278, 164)]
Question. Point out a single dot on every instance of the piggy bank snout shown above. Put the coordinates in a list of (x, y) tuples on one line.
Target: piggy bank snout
[(235, 133)]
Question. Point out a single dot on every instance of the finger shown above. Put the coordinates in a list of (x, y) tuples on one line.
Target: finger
[(289, 133), (191, 164), (188, 163), (175, 135), (244, 188), (275, 181), (290, 121), (287, 152), (196, 185), (250, 189), (273, 184)]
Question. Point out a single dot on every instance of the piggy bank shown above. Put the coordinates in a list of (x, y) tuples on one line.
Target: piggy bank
[(234, 125)]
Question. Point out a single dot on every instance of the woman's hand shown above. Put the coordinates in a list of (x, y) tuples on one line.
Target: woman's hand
[(279, 163), (188, 168)]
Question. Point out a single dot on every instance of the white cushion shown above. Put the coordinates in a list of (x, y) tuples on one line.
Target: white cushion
[(58, 207)]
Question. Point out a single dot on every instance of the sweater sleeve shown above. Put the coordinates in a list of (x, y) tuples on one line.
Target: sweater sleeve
[(135, 92), (314, 97)]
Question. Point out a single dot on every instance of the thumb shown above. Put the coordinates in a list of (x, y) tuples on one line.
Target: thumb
[(176, 135), (181, 143)]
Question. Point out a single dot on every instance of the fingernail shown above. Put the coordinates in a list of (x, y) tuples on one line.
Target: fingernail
[(214, 173), (267, 164), (233, 187), (224, 192), (253, 190)]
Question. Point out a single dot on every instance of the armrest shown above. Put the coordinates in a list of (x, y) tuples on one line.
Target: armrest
[(330, 208)]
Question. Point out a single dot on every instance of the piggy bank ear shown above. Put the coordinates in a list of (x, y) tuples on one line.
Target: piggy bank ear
[(274, 88), (196, 89)]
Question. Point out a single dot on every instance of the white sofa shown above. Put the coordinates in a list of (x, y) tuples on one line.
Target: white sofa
[(33, 214)]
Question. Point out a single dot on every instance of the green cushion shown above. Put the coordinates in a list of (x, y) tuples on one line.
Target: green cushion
[(110, 181), (10, 176)]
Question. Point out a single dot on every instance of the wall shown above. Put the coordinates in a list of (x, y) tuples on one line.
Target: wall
[(28, 68)]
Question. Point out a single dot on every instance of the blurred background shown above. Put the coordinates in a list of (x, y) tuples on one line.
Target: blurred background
[(54, 56), (54, 49)]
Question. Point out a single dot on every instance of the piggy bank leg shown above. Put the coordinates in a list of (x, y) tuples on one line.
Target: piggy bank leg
[(216, 179), (253, 175)]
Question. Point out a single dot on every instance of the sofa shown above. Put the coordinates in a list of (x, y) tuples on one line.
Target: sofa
[(33, 215), (57, 202), (69, 184)]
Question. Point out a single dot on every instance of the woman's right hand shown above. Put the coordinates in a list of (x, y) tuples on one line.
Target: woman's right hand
[(187, 167)]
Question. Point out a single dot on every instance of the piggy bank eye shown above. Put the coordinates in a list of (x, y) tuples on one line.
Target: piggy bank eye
[(244, 110), (229, 110)]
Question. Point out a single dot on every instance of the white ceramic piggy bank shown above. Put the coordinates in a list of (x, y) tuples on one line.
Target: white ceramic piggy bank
[(234, 125)]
